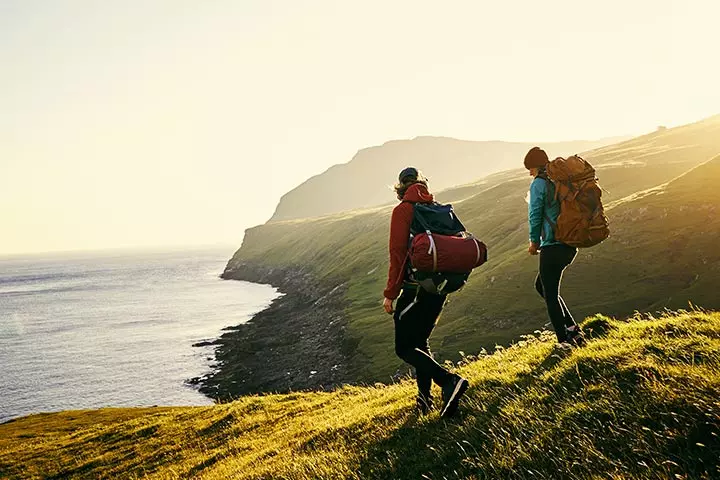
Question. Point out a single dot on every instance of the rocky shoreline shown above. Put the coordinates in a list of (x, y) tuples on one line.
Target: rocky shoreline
[(297, 343)]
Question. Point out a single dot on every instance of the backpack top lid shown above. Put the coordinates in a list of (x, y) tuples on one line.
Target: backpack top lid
[(571, 169), (582, 222), (436, 218)]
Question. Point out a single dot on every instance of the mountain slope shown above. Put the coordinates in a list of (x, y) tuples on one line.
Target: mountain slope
[(365, 180), (661, 254), (644, 160), (639, 402), (667, 236), (347, 254)]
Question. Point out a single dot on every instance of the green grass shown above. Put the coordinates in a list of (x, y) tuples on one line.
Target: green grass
[(661, 252), (640, 401)]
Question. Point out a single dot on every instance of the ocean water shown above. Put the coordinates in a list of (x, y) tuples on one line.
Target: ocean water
[(114, 329)]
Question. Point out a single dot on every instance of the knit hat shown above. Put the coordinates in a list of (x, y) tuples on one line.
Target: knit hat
[(536, 158), (410, 172)]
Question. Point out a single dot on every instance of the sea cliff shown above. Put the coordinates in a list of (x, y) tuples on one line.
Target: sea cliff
[(295, 344)]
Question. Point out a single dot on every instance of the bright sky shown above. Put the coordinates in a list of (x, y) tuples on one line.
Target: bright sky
[(177, 122)]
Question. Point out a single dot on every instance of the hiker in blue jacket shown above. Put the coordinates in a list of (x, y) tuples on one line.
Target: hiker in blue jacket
[(543, 211)]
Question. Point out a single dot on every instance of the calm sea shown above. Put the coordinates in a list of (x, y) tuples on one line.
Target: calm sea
[(114, 329)]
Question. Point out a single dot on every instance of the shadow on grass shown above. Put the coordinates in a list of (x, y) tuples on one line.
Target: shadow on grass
[(193, 472), (432, 448), (592, 420), (78, 471)]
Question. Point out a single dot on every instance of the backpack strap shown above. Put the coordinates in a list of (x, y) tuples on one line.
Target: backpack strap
[(411, 304), (548, 182), (433, 248), (477, 245)]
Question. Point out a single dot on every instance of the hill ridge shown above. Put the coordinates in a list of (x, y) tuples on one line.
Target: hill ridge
[(659, 189), (364, 180)]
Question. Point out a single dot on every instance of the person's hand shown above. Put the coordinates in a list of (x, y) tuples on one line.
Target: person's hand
[(388, 306), (533, 248)]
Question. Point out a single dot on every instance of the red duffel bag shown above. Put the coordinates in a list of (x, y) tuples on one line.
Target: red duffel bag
[(430, 252)]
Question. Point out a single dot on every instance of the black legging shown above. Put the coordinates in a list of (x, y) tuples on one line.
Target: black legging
[(416, 314), (553, 261)]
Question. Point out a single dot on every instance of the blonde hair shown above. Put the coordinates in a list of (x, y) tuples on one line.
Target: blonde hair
[(401, 187)]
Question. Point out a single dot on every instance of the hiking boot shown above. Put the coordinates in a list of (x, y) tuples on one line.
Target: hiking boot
[(423, 405), (575, 336), (452, 391)]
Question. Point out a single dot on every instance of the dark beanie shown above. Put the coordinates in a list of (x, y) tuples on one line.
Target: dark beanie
[(409, 172), (536, 158)]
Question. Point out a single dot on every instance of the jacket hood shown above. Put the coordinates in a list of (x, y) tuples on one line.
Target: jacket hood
[(418, 193)]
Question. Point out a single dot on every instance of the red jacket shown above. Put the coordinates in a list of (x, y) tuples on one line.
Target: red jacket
[(400, 222)]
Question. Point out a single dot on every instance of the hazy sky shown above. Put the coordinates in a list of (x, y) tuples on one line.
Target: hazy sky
[(169, 122)]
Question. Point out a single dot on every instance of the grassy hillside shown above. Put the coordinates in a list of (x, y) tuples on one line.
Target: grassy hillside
[(629, 165), (363, 182), (659, 244), (661, 255), (640, 401)]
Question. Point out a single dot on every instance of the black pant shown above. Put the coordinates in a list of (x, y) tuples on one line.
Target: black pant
[(553, 261), (416, 314)]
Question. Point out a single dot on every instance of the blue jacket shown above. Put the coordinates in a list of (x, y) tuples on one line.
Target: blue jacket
[(538, 208)]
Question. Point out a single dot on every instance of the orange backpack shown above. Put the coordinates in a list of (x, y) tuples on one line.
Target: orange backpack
[(582, 222)]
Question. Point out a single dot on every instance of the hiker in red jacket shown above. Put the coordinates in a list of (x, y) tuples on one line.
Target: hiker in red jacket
[(417, 310)]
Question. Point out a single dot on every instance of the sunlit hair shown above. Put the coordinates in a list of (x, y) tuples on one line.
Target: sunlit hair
[(401, 187), (539, 172)]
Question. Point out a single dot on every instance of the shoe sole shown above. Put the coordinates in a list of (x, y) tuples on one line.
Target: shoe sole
[(452, 404)]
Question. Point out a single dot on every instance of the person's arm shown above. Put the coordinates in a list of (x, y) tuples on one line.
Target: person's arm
[(536, 213), (398, 247)]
